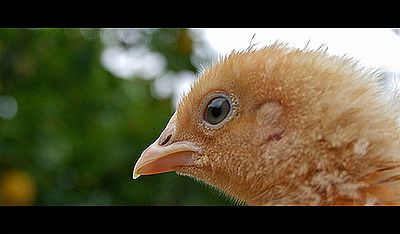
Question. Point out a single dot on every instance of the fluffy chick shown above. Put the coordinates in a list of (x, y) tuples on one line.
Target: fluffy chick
[(301, 128)]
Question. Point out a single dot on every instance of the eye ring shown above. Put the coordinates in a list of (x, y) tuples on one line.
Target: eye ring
[(216, 109)]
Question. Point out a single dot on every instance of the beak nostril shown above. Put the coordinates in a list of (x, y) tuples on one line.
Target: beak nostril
[(165, 141)]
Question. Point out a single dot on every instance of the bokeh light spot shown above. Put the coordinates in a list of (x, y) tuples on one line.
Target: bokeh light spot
[(8, 107)]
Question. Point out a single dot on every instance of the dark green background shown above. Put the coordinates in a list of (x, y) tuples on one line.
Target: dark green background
[(79, 129)]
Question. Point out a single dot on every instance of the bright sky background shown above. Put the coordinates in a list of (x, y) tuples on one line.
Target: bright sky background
[(374, 47)]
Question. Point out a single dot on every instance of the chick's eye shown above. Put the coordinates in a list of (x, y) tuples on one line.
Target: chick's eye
[(217, 110)]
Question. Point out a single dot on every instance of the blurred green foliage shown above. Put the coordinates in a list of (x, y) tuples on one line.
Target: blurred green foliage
[(79, 129)]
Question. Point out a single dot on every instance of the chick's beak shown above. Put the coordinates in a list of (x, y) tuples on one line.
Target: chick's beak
[(162, 157)]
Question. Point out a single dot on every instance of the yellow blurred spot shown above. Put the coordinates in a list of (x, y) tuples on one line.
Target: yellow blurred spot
[(17, 188)]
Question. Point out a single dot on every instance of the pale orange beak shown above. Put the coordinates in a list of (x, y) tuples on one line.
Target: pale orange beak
[(162, 156)]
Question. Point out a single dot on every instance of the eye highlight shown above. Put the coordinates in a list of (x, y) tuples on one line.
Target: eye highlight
[(217, 109)]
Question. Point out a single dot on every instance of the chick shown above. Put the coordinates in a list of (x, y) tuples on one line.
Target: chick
[(283, 126)]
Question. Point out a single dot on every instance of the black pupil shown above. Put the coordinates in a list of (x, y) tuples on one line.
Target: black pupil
[(217, 110)]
